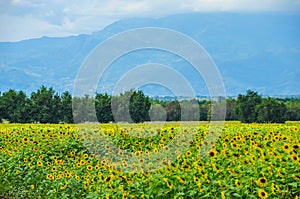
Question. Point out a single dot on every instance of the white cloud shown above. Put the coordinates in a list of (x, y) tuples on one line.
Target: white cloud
[(17, 28), (23, 19)]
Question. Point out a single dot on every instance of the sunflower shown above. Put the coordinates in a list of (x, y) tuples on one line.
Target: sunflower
[(270, 171), (186, 167), (50, 177), (262, 182), (89, 167), (68, 175), (295, 158), (39, 163), (180, 179), (273, 188), (237, 183), (107, 179), (262, 194), (223, 195), (233, 145), (168, 184), (25, 160), (212, 153), (188, 153), (77, 177), (25, 139), (141, 161)]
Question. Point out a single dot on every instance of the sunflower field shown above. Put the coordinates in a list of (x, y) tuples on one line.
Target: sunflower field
[(56, 161)]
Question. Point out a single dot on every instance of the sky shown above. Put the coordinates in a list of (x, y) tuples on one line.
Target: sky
[(25, 19)]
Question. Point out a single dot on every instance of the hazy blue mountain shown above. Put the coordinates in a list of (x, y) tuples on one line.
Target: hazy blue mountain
[(252, 51)]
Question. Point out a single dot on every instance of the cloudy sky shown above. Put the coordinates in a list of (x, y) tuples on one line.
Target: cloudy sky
[(24, 19)]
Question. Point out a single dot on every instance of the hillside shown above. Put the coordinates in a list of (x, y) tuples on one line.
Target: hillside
[(252, 51)]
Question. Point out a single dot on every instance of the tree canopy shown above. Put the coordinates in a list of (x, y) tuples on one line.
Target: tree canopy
[(47, 106)]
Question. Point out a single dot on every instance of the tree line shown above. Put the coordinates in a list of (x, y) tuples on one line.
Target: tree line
[(47, 106)]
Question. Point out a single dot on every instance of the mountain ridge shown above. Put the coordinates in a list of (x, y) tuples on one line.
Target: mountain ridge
[(252, 51)]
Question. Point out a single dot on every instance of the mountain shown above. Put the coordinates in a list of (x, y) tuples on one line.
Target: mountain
[(259, 51)]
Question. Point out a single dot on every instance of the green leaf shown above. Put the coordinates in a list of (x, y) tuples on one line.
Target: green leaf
[(293, 184), (236, 195)]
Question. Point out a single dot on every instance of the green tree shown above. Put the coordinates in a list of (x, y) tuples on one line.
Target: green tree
[(293, 109), (230, 104), (84, 109), (66, 114), (205, 109), (139, 107), (190, 110), (173, 111), (103, 108), (45, 105), (271, 110), (131, 106), (245, 108), (157, 112), (13, 106), (120, 107)]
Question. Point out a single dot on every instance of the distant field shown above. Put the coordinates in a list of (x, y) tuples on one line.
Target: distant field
[(69, 161)]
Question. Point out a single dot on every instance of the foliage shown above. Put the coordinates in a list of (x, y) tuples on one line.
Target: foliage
[(271, 110), (139, 106), (245, 107), (44, 105), (293, 109), (253, 108), (13, 106), (103, 108), (47, 106)]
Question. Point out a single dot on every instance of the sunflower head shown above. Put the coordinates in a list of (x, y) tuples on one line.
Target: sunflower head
[(212, 153), (286, 146), (188, 153), (262, 194), (295, 158), (89, 167), (39, 163), (262, 182)]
